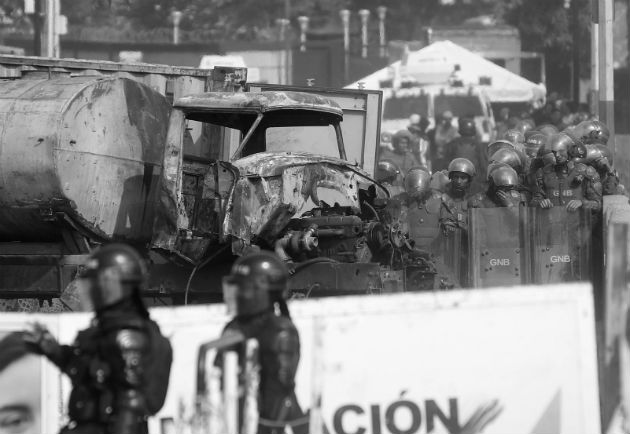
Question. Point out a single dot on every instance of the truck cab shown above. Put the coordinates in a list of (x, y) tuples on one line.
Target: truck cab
[(284, 138)]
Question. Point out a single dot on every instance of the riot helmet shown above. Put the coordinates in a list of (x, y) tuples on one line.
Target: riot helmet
[(460, 173), (559, 144), (534, 142), (504, 178), (514, 136), (417, 182), (592, 132), (577, 152), (548, 129), (401, 141), (387, 171), (255, 282), (499, 144), (113, 273), (509, 157), (463, 165), (598, 156), (466, 127), (525, 125)]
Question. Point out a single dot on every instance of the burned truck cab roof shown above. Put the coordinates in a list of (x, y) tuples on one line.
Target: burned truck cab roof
[(322, 110), (255, 113)]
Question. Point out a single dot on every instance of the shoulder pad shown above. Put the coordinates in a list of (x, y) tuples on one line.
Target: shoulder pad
[(591, 172), (131, 339), (578, 167)]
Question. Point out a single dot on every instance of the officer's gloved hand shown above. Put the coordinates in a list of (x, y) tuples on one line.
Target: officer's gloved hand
[(504, 198), (448, 227), (41, 341), (545, 204), (574, 205)]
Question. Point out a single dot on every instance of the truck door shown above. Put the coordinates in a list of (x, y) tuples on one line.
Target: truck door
[(195, 190)]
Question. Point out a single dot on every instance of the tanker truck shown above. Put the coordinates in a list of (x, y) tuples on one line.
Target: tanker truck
[(92, 152)]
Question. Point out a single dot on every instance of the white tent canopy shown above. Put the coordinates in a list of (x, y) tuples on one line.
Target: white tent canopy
[(434, 64)]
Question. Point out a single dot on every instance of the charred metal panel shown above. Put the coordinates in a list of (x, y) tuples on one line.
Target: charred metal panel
[(258, 102), (274, 163), (259, 200), (171, 214), (334, 278)]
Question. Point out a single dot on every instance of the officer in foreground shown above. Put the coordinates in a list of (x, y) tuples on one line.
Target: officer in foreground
[(119, 366), (255, 288)]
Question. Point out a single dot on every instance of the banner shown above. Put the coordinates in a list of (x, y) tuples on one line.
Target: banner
[(497, 361)]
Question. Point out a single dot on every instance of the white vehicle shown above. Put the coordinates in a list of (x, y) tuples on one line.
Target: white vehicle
[(431, 100)]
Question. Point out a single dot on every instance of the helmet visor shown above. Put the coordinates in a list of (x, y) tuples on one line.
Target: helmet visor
[(230, 293), (102, 290)]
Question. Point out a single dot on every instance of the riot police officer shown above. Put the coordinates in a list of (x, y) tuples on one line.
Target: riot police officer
[(388, 174), (421, 207), (564, 182), (257, 284), (402, 155), (119, 366), (454, 205), (600, 158), (592, 132), (468, 146), (504, 190)]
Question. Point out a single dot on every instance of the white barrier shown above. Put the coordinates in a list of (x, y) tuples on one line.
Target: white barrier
[(505, 361)]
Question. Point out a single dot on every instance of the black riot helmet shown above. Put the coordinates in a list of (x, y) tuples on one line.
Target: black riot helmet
[(387, 171), (592, 132), (466, 127), (514, 136), (256, 281), (418, 182), (498, 144), (510, 157), (534, 142), (113, 273)]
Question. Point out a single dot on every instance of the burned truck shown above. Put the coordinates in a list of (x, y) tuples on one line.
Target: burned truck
[(89, 158), (318, 212)]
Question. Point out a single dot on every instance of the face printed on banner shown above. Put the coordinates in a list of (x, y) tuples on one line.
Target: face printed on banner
[(20, 387)]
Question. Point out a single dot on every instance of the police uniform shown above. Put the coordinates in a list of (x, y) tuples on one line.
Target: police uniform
[(404, 161), (279, 355), (573, 181), (420, 219), (119, 367), (119, 372)]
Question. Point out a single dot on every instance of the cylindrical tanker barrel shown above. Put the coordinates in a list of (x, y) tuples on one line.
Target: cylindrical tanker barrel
[(82, 153)]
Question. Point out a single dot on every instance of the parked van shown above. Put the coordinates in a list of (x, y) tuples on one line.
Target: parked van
[(431, 100)]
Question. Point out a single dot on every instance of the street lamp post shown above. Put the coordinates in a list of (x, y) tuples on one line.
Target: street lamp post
[(303, 20), (177, 18), (344, 14), (381, 11), (365, 15)]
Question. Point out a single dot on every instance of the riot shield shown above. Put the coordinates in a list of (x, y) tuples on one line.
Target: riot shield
[(452, 252), (498, 255), (561, 245)]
